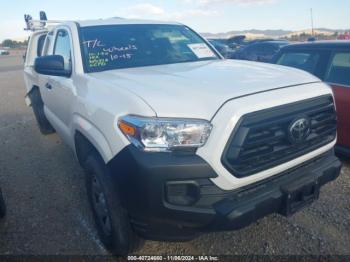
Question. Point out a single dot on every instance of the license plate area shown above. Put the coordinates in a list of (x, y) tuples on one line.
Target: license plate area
[(296, 198)]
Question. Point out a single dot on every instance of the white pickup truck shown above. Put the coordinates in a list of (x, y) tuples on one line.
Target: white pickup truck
[(175, 140)]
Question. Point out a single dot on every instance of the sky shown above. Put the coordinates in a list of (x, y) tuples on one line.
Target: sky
[(202, 15)]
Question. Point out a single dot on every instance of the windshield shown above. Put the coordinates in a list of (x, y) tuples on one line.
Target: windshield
[(124, 46)]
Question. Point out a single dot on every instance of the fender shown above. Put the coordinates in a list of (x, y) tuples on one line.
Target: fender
[(94, 135)]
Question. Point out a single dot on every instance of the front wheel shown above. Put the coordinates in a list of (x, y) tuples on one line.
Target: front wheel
[(111, 219)]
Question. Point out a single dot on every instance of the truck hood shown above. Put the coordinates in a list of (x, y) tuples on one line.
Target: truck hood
[(197, 90)]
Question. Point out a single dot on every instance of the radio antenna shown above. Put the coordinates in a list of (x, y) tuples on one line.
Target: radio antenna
[(312, 22)]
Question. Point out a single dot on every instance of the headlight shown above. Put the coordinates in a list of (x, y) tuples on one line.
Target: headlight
[(164, 134)]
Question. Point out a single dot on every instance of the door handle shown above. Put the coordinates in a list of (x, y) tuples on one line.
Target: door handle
[(48, 86)]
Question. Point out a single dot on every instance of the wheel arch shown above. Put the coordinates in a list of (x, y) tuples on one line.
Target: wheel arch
[(87, 139), (33, 88), (83, 147)]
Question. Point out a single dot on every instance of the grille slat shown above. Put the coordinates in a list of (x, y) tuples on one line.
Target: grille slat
[(266, 144), (276, 137)]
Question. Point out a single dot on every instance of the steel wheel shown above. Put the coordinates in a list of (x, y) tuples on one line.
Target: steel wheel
[(100, 206)]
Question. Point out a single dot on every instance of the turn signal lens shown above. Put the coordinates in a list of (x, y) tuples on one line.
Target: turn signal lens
[(127, 129)]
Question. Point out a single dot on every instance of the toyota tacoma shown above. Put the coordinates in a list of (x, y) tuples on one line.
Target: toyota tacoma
[(175, 140)]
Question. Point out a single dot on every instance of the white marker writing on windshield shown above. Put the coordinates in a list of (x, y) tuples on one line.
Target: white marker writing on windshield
[(93, 43)]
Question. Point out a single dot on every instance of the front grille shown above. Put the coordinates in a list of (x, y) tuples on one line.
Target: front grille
[(261, 139)]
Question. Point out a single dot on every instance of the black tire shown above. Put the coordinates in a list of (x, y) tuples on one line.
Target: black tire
[(38, 109), (111, 219), (2, 206)]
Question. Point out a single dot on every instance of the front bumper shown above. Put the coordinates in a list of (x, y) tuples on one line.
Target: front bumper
[(152, 186), (342, 150)]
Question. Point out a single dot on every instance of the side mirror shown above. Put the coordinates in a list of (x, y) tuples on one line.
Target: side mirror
[(51, 65)]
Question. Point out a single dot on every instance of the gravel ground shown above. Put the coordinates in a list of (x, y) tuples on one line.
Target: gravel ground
[(48, 211)]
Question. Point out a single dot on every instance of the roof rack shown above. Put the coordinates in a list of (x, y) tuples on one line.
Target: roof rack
[(35, 25)]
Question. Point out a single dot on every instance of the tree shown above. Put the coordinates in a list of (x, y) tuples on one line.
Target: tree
[(8, 43), (13, 44)]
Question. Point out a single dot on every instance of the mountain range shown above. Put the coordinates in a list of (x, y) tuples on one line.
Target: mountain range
[(255, 33)]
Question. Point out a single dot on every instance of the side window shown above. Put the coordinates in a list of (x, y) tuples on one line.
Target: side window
[(47, 44), (40, 45), (63, 48), (339, 70), (303, 60)]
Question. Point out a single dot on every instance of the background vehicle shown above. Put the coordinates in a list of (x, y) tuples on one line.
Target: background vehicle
[(223, 48), (170, 149), (237, 41), (2, 205), (330, 61), (4, 52), (262, 51)]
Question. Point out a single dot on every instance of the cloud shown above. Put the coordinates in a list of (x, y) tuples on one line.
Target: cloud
[(147, 10), (193, 13), (238, 2)]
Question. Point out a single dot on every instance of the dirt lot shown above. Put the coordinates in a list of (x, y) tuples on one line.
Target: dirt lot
[(48, 212)]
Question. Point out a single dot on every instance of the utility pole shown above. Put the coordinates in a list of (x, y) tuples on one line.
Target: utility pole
[(312, 22)]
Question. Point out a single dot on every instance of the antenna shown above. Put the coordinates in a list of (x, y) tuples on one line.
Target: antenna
[(312, 22)]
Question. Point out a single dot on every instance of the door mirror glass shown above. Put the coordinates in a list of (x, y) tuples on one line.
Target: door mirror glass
[(51, 65)]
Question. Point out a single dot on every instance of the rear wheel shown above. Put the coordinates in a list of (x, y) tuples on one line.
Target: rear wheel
[(111, 219), (38, 109), (2, 206)]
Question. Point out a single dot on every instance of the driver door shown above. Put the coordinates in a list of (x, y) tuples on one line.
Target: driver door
[(58, 92)]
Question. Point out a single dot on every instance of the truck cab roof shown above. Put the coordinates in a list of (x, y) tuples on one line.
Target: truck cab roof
[(120, 21), (112, 21)]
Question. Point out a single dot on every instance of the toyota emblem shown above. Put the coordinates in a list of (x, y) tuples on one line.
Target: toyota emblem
[(299, 130)]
